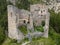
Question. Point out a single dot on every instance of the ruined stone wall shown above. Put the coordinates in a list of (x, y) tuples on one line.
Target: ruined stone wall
[(18, 17), (13, 31), (23, 17), (12, 28), (39, 13)]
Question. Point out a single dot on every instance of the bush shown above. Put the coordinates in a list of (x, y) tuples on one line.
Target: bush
[(2, 35), (23, 4), (55, 20), (23, 29), (9, 41), (42, 41), (39, 28), (54, 36)]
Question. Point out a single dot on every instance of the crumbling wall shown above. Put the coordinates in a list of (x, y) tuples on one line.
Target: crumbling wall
[(40, 13), (18, 17), (13, 31), (12, 28)]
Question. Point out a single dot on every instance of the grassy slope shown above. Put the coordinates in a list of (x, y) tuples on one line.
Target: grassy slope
[(54, 39)]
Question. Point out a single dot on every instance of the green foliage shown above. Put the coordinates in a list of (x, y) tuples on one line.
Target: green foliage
[(3, 14), (2, 35), (9, 3), (39, 28), (35, 1), (3, 20), (55, 20), (23, 29), (54, 36), (54, 39), (42, 41), (23, 4), (2, 6), (9, 41)]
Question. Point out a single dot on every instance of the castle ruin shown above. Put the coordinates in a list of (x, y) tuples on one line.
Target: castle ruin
[(18, 17)]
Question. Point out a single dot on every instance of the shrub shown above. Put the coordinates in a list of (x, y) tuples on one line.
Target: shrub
[(42, 41), (2, 35), (9, 41), (54, 36), (55, 20), (39, 28), (23, 29)]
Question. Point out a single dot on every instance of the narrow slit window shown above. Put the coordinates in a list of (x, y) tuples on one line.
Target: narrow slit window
[(11, 14), (41, 11)]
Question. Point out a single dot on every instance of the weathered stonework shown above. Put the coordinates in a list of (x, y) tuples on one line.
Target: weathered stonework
[(12, 24), (40, 13), (18, 17)]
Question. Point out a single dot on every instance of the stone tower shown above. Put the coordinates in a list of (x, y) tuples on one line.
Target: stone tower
[(12, 27), (13, 31)]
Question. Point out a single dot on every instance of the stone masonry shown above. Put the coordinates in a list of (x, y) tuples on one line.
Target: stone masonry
[(13, 31), (40, 13), (18, 17)]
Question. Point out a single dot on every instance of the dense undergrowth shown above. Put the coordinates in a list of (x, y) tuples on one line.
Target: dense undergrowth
[(53, 39), (23, 29)]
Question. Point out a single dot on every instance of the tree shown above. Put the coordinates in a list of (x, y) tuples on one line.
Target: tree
[(3, 19), (55, 20), (23, 4), (2, 35)]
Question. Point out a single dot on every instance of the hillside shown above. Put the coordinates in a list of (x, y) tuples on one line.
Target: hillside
[(54, 31), (54, 39)]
